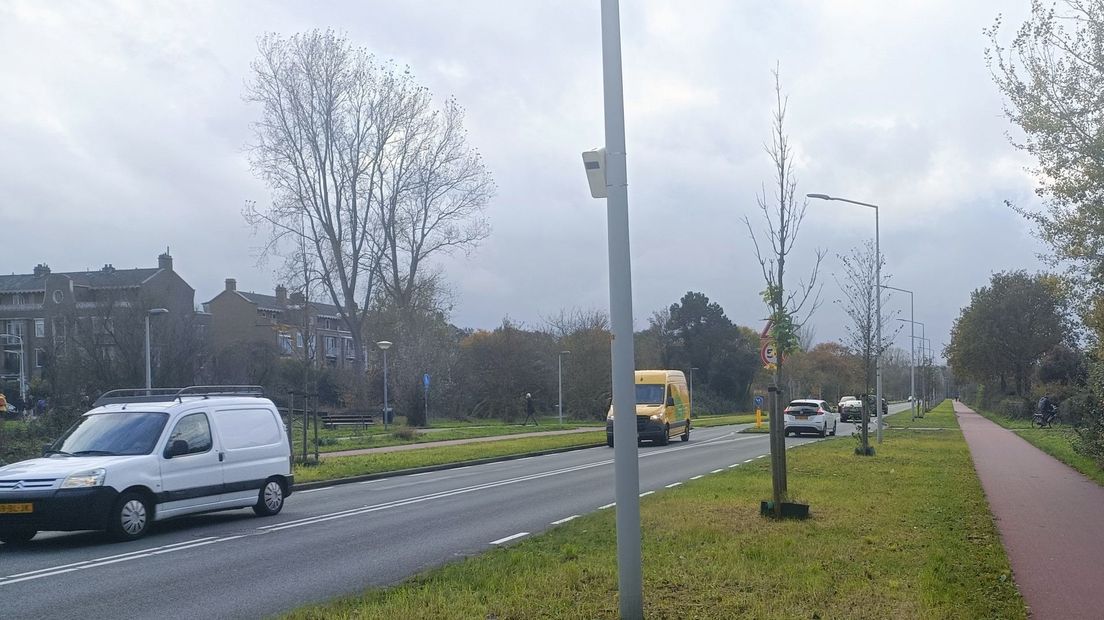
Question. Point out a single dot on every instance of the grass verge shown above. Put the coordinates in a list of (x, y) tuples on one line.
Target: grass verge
[(348, 466), (706, 421), (1056, 441), (906, 534), (351, 438)]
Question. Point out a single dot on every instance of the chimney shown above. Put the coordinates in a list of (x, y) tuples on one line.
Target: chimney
[(41, 269), (164, 261), (231, 284), (297, 298), (281, 295)]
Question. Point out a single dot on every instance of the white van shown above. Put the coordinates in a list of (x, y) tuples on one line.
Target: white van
[(145, 455)]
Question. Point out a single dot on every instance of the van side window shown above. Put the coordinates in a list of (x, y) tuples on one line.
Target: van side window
[(247, 428), (194, 429)]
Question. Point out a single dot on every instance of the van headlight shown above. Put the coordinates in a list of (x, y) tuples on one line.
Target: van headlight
[(82, 479), (657, 417), (609, 416)]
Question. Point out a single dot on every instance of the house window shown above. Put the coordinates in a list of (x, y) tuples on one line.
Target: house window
[(40, 358), (285, 344), (349, 352), (40, 328), (299, 339), (331, 346)]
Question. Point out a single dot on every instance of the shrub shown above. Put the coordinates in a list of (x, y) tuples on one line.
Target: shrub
[(1016, 408), (407, 433)]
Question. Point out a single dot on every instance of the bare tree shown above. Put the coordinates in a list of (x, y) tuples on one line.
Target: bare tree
[(367, 179), (858, 283), (783, 212)]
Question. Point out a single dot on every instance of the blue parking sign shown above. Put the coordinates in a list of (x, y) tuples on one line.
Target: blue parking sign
[(425, 379), (758, 401)]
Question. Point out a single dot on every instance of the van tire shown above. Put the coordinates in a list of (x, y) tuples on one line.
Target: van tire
[(270, 499), (130, 517), (686, 433), (17, 537), (609, 441), (666, 439)]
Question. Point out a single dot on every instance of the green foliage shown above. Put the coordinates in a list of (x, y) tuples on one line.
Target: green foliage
[(1007, 328), (1052, 78)]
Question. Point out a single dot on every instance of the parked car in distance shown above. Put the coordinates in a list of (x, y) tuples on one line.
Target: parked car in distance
[(850, 408), (809, 416), (140, 456)]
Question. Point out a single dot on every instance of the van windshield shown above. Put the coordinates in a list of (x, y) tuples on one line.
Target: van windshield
[(649, 394), (110, 434)]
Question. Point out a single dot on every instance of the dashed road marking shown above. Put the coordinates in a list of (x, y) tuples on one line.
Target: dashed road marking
[(695, 477), (565, 520), (509, 538), (609, 505), (673, 485), (646, 493)]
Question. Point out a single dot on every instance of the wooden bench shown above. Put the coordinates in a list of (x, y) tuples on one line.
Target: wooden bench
[(334, 420)]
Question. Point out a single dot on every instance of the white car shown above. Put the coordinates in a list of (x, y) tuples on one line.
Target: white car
[(810, 416), (141, 456), (849, 408)]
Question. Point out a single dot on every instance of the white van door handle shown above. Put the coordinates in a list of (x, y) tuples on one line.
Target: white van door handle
[(222, 455)]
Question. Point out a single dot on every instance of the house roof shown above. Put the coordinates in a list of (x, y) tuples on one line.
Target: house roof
[(116, 278), (268, 302)]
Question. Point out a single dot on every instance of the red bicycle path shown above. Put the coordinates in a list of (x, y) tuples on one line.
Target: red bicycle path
[(1050, 518)]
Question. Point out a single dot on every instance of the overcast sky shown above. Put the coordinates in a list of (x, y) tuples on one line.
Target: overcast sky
[(122, 131)]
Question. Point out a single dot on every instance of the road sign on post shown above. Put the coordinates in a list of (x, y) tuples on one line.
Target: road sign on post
[(768, 353), (425, 383)]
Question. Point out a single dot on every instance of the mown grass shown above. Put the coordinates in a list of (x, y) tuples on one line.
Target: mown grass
[(905, 534), (1057, 441), (353, 438), (332, 468), (706, 421)]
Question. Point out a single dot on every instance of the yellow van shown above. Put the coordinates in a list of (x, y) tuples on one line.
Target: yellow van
[(662, 407)]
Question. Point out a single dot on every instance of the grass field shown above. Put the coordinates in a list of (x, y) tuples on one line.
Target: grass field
[(1057, 441), (905, 534), (348, 466)]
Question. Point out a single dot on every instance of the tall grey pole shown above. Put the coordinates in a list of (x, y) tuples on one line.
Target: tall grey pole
[(148, 372), (878, 346), (912, 346), (385, 416), (625, 463), (559, 374)]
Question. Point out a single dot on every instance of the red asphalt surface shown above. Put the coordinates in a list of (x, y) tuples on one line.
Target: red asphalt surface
[(1050, 517)]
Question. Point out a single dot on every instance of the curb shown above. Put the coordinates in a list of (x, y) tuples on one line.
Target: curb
[(319, 484)]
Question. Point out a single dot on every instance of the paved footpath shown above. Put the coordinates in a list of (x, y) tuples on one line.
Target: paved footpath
[(1050, 517)]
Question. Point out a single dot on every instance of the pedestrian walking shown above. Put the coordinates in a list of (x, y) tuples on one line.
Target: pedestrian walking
[(529, 410)]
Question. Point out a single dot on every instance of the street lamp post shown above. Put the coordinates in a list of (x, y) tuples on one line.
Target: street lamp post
[(22, 373), (692, 369), (149, 372), (913, 337), (559, 366), (878, 277), (912, 347), (384, 345)]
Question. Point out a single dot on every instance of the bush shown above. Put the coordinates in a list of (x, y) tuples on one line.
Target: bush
[(1016, 408), (407, 433)]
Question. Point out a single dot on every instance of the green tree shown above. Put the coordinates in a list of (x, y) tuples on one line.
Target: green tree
[(1052, 78), (1002, 335)]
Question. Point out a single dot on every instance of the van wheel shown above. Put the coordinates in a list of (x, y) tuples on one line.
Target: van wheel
[(130, 518), (17, 537), (609, 441), (666, 439), (270, 501), (686, 434)]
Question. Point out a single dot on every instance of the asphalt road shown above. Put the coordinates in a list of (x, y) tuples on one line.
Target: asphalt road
[(339, 540)]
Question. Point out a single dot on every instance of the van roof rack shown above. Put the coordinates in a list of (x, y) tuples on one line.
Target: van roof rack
[(164, 395)]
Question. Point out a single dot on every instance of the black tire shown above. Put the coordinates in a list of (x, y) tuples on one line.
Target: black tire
[(824, 431), (270, 499), (17, 537), (609, 441), (834, 428), (686, 434), (130, 517), (666, 438)]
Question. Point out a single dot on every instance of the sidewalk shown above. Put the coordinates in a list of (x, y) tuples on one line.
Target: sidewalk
[(453, 442), (1050, 518)]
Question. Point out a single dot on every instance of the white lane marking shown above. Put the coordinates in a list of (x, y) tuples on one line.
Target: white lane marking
[(761, 456), (673, 485), (749, 460), (565, 520), (509, 538), (733, 465), (646, 493), (695, 477), (126, 557), (322, 489), (717, 471), (609, 505), (110, 557)]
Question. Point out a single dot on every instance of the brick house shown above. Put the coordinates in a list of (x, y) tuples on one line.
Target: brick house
[(44, 309), (239, 317)]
